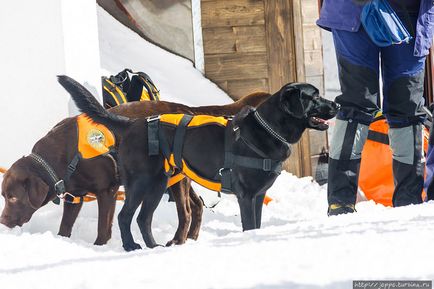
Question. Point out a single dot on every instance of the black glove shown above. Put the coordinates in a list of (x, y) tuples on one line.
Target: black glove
[(361, 2)]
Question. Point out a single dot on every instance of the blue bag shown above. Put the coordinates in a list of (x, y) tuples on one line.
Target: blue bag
[(383, 25)]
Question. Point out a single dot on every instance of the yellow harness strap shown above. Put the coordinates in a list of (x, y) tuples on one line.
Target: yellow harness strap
[(93, 139), (197, 120)]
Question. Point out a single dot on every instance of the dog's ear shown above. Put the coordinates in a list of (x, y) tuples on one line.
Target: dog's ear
[(242, 114), (291, 101), (37, 191)]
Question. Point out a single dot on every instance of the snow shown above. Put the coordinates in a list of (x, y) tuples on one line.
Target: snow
[(297, 247)]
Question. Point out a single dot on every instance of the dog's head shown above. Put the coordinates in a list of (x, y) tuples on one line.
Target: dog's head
[(24, 192), (302, 101)]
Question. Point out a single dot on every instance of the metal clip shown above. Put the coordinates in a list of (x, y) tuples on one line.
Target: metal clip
[(266, 165), (59, 187), (223, 169), (153, 118)]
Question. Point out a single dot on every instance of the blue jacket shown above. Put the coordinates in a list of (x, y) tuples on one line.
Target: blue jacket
[(345, 15)]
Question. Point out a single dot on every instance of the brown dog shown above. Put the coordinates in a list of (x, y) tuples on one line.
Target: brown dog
[(26, 187)]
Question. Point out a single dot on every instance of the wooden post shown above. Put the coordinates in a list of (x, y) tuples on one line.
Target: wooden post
[(284, 40), (429, 80)]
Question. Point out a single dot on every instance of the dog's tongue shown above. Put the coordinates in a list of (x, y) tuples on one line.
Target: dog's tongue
[(329, 122)]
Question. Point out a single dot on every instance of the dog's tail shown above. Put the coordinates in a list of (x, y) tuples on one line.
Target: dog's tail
[(87, 104)]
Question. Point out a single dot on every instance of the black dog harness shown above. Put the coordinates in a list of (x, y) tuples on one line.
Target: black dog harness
[(57, 183), (157, 141)]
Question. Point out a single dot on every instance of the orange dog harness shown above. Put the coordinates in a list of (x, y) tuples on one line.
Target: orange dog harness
[(182, 122)]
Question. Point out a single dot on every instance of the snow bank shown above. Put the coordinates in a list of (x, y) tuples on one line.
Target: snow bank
[(298, 247)]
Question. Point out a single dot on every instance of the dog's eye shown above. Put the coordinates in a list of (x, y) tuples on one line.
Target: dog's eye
[(13, 199)]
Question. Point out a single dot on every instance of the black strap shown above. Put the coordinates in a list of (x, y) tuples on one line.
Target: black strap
[(226, 171), (378, 137), (178, 142), (72, 167), (264, 164), (153, 137), (347, 145), (267, 165)]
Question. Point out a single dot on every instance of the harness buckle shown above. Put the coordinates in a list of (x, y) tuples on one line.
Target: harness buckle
[(224, 169), (153, 118), (266, 165), (70, 198), (59, 187)]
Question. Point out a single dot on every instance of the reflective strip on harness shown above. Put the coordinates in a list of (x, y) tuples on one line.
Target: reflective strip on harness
[(93, 139)]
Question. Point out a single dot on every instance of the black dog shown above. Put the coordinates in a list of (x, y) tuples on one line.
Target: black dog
[(254, 144)]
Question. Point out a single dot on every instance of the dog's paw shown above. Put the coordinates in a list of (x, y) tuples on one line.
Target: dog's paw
[(193, 236), (175, 242), (153, 245), (131, 247), (100, 241)]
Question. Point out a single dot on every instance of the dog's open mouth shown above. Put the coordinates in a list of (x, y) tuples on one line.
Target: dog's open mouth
[(318, 123)]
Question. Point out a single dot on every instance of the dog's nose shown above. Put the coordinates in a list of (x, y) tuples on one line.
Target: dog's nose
[(6, 220)]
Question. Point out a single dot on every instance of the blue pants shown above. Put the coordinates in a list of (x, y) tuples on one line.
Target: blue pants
[(359, 61)]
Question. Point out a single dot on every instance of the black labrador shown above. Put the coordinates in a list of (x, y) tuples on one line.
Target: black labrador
[(260, 136)]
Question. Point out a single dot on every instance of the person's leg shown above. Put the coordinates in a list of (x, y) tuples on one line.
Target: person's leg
[(358, 63), (403, 78)]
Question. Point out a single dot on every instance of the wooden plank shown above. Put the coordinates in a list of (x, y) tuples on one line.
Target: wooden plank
[(220, 40), (318, 141), (243, 87), (312, 37), (313, 63), (236, 66), (232, 13), (223, 85), (279, 20), (317, 81), (310, 11), (280, 43)]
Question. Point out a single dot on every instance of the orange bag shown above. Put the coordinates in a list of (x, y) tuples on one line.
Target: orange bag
[(376, 174)]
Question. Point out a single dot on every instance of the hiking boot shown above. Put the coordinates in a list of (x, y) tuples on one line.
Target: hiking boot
[(338, 209)]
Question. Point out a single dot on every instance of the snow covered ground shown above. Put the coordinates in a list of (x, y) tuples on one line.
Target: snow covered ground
[(298, 247)]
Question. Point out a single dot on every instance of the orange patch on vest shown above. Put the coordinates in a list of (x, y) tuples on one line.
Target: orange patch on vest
[(93, 139)]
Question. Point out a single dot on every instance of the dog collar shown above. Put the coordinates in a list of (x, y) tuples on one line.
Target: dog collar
[(268, 128), (58, 184)]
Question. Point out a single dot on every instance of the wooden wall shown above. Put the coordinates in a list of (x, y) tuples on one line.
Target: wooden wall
[(260, 45)]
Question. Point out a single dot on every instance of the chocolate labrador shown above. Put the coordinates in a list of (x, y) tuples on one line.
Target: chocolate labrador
[(244, 154)]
